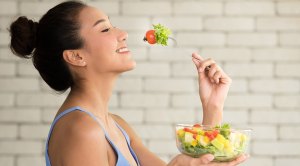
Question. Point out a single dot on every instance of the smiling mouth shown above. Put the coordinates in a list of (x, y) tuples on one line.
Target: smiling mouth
[(121, 50)]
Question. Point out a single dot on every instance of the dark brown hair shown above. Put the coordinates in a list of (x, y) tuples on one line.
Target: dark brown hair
[(45, 41)]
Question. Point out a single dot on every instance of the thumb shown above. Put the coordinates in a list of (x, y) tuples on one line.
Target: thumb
[(206, 158)]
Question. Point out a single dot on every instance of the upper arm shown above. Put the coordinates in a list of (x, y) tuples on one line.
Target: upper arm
[(85, 144), (145, 156)]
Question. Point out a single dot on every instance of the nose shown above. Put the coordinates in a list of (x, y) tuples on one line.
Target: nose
[(123, 35)]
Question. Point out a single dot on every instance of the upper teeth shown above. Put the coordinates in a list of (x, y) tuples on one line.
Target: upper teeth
[(122, 49)]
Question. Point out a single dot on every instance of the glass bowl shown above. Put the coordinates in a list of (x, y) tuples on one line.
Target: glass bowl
[(225, 143)]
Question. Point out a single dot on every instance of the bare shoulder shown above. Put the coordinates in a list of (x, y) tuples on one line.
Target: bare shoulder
[(129, 130), (79, 139)]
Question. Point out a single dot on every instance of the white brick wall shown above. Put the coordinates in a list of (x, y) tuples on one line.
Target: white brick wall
[(256, 42)]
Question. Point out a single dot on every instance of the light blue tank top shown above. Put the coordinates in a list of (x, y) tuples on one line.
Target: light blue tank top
[(121, 160)]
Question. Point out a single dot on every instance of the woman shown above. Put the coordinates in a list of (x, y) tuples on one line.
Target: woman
[(75, 46)]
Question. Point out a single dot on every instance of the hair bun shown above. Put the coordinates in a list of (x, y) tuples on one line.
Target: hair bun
[(23, 34)]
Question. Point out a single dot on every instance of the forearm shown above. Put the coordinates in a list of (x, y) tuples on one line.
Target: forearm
[(212, 115)]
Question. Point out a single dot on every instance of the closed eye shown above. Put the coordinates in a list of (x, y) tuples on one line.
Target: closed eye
[(105, 30)]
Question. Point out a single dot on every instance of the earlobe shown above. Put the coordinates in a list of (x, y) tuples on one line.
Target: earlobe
[(73, 58)]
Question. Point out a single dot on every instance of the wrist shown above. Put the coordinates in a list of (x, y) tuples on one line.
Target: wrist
[(212, 115)]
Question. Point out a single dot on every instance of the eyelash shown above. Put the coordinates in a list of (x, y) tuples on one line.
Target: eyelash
[(105, 30)]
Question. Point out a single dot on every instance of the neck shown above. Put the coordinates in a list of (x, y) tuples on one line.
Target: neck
[(93, 95)]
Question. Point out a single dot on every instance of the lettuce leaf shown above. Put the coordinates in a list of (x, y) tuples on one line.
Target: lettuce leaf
[(161, 34)]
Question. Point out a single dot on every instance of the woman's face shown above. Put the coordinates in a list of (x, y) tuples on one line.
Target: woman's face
[(105, 46)]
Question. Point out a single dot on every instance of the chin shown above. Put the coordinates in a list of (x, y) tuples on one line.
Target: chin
[(130, 66)]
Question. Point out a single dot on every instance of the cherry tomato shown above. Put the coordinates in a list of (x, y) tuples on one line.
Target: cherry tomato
[(197, 125), (150, 37), (190, 130)]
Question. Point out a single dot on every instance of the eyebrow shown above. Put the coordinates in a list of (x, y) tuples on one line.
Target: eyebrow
[(99, 21)]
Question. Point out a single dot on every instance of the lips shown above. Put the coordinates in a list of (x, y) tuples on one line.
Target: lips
[(121, 50)]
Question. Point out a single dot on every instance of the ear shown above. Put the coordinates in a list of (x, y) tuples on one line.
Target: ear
[(74, 58)]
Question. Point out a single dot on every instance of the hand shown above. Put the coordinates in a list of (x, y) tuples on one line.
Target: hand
[(213, 88), (204, 160)]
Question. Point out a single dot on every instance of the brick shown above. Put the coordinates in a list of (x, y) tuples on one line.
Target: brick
[(167, 116), (131, 23), (48, 114), (7, 55), (289, 132), (34, 131), (136, 39), (239, 86), (129, 85), (281, 86), (198, 8), (20, 147), (288, 70), (17, 115), (146, 8), (27, 69), (278, 23), (7, 160), (163, 146), (19, 84), (35, 9), (8, 131), (155, 131), (132, 116), (252, 39), (235, 116), (109, 8), (170, 54), (138, 53), (249, 101), (30, 160), (264, 132), (157, 100), (249, 70), (39, 99), (6, 99), (180, 23), (169, 85), (4, 39), (182, 69), (7, 69), (5, 21), (201, 39), (276, 148), (150, 69), (191, 100), (276, 54), (229, 24), (8, 8), (288, 8), (227, 54), (289, 39), (258, 160), (275, 116), (291, 161), (114, 101), (287, 101), (250, 8)]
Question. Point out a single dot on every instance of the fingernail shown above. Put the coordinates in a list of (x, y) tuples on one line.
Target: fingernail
[(210, 158)]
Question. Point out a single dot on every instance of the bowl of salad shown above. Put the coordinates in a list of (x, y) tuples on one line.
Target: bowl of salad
[(224, 142)]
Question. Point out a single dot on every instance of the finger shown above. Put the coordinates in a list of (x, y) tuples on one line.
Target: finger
[(197, 56), (196, 62), (239, 160), (212, 70), (217, 76), (204, 64), (204, 159)]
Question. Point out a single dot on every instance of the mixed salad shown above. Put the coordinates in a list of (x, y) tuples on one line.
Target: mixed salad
[(225, 144), (158, 35)]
